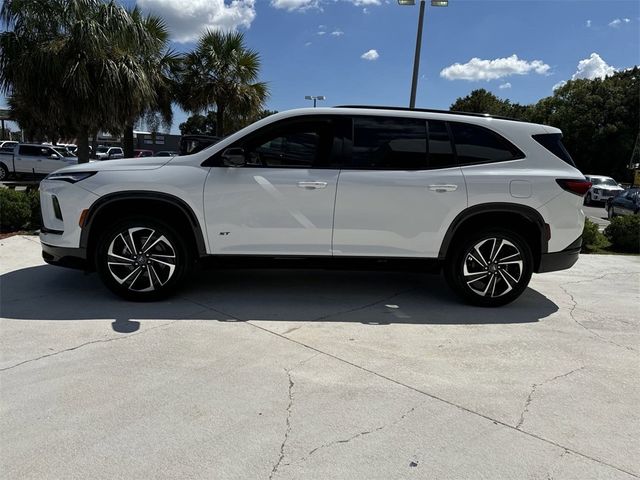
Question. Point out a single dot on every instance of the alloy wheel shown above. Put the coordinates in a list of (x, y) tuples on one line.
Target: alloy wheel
[(141, 259), (493, 267)]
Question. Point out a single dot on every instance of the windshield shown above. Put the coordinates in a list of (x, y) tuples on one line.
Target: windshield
[(64, 152), (604, 181), (102, 149)]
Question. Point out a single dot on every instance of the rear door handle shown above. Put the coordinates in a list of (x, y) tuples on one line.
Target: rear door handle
[(441, 188), (312, 185)]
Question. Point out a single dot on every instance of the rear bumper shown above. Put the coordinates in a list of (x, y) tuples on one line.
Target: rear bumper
[(551, 262), (65, 257)]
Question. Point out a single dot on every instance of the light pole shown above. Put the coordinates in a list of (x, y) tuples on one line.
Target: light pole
[(315, 98), (416, 59)]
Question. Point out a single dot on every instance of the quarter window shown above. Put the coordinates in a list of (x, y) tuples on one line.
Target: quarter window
[(389, 143), (475, 144)]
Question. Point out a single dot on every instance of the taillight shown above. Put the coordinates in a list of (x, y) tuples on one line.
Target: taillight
[(577, 187)]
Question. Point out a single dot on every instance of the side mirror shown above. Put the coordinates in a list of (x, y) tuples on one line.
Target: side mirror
[(234, 157), (54, 156)]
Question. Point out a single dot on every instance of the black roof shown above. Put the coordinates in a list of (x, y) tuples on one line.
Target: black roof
[(429, 110)]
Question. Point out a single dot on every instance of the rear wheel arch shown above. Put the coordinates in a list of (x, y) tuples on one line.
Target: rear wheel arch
[(521, 219), (167, 208)]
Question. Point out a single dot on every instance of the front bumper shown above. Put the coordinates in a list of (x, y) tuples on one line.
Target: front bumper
[(551, 262), (603, 196), (65, 257)]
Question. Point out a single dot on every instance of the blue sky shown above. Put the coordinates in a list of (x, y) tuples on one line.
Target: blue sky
[(550, 39)]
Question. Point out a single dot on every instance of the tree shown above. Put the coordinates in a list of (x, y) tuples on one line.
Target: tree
[(222, 72), (599, 118), (483, 101), (199, 124), (76, 66)]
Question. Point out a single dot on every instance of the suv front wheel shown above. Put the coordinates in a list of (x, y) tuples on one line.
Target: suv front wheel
[(490, 268), (142, 259)]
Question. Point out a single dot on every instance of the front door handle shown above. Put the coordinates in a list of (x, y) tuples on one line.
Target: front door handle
[(312, 185), (441, 188)]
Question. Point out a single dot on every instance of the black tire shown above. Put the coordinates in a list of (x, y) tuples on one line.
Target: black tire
[(588, 200), (160, 262), (4, 172), (470, 271)]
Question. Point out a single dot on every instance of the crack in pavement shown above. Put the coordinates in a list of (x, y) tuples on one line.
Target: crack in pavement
[(102, 340), (448, 402), (360, 434), (274, 470), (534, 386), (590, 331)]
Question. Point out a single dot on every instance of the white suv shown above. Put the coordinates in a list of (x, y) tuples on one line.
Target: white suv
[(488, 200)]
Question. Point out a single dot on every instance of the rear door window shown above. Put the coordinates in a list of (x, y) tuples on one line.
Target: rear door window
[(29, 150), (475, 144), (441, 153), (388, 143)]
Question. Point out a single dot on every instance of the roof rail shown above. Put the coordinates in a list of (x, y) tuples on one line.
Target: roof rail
[(429, 110)]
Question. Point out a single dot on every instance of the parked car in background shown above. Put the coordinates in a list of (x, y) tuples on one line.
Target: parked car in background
[(8, 143), (602, 189), (166, 153), (487, 200), (142, 153), (34, 159), (625, 203), (190, 144), (109, 153)]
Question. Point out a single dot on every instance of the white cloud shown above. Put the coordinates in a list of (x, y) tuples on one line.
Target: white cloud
[(187, 20), (362, 3), (370, 55), (478, 69), (619, 21), (321, 32), (307, 44), (337, 33), (593, 67), (558, 85), (366, 11), (505, 85), (291, 5), (588, 23)]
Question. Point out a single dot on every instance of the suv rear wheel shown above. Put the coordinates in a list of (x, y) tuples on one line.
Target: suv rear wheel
[(142, 259), (490, 268)]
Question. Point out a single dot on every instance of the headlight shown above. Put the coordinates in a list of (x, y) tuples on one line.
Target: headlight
[(71, 177)]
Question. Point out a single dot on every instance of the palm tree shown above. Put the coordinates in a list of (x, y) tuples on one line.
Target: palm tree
[(77, 64), (222, 72)]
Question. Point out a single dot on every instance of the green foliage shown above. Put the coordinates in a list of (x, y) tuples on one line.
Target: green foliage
[(73, 67), (592, 238), (599, 119), (222, 72), (34, 204), (15, 211), (206, 124), (624, 233)]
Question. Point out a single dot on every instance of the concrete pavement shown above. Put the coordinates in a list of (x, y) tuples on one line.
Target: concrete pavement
[(318, 374)]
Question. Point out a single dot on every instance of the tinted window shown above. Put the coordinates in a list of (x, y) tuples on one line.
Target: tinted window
[(476, 144), (30, 150), (553, 143), (389, 143), (296, 145), (440, 150)]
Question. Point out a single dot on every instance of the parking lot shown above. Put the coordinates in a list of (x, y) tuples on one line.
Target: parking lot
[(295, 374)]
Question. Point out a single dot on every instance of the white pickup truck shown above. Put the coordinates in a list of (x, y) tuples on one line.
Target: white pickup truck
[(35, 159)]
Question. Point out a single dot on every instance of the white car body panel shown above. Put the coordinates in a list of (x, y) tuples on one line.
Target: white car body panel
[(390, 213), (377, 213), (282, 211)]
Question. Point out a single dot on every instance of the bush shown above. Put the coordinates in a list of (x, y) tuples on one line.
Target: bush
[(624, 233), (15, 210), (34, 204), (592, 238)]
